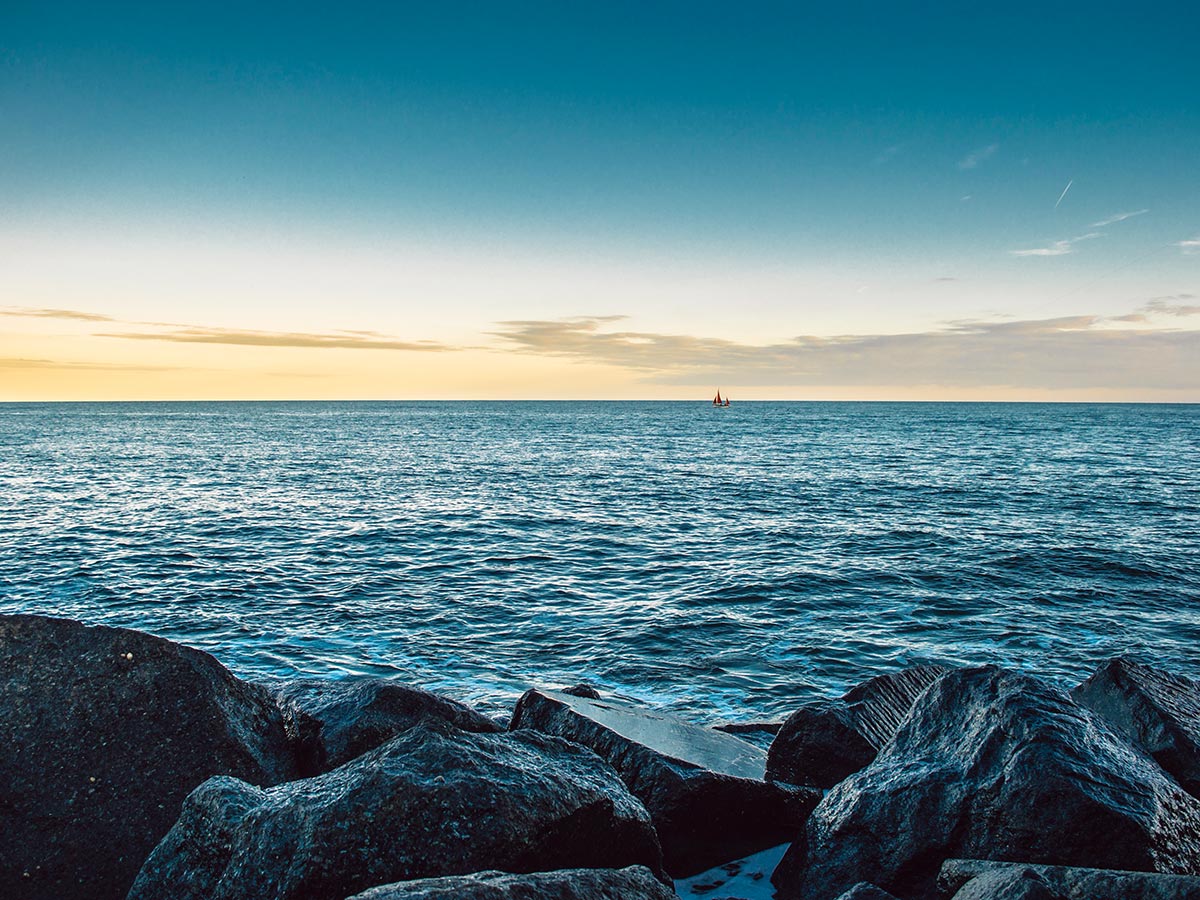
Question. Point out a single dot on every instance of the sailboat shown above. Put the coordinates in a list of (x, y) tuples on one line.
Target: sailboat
[(717, 401)]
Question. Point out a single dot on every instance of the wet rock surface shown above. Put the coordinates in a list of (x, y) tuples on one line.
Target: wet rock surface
[(825, 742), (978, 879), (1156, 710), (340, 720), (996, 764), (704, 789), (433, 801), (633, 883), (103, 732)]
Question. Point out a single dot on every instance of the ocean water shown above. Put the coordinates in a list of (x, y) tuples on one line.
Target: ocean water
[(727, 564)]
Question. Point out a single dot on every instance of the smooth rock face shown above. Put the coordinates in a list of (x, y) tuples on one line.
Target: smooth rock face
[(825, 742), (341, 720), (633, 883), (992, 763), (1158, 711), (103, 732), (704, 789), (959, 876), (433, 801)]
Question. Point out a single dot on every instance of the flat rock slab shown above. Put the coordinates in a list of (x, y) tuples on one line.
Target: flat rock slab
[(825, 742), (340, 720), (433, 801), (866, 891), (993, 763), (1066, 882), (103, 733), (704, 789), (632, 883), (1158, 711)]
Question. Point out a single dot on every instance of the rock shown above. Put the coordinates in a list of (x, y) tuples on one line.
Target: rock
[(958, 875), (993, 763), (824, 742), (633, 883), (1014, 882), (103, 733), (340, 720), (582, 690), (1156, 710), (704, 789), (866, 891), (433, 801)]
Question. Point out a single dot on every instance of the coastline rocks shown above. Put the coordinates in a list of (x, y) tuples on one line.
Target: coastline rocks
[(433, 801), (979, 879), (633, 883), (103, 732), (1156, 710), (995, 764), (338, 721), (825, 742), (704, 789)]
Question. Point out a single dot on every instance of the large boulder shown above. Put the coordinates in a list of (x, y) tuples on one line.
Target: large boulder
[(824, 742), (633, 883), (340, 720), (103, 733), (1158, 711), (993, 764), (433, 801), (977, 879), (704, 789)]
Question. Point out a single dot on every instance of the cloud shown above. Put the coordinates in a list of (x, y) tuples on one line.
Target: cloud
[(1190, 246), (1171, 306), (973, 159), (1058, 248), (1083, 351), (11, 362), (342, 340), (1119, 217), (75, 314)]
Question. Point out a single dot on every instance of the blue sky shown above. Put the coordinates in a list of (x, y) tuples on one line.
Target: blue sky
[(751, 174)]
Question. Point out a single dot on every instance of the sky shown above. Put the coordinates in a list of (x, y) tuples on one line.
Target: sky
[(599, 200)]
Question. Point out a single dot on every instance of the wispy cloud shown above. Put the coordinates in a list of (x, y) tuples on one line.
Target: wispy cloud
[(12, 362), (887, 154), (343, 340), (1058, 248), (1084, 351), (1190, 246), (1173, 305), (1119, 217), (33, 313), (973, 159)]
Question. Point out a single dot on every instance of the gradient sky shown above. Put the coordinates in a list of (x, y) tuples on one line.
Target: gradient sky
[(599, 200)]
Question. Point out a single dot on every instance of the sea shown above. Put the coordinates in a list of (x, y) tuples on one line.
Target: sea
[(725, 564)]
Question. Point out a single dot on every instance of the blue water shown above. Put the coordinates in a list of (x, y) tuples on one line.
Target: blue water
[(728, 564)]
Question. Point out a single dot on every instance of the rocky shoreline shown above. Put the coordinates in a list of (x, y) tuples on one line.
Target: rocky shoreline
[(135, 767)]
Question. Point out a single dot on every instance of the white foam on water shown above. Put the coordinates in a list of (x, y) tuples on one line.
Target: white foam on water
[(743, 879)]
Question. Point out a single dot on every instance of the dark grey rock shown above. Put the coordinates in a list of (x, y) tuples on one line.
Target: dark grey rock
[(582, 690), (1016, 882), (958, 875), (993, 763), (633, 883), (433, 801), (827, 741), (340, 720), (1155, 709), (704, 789), (866, 891), (103, 732)]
